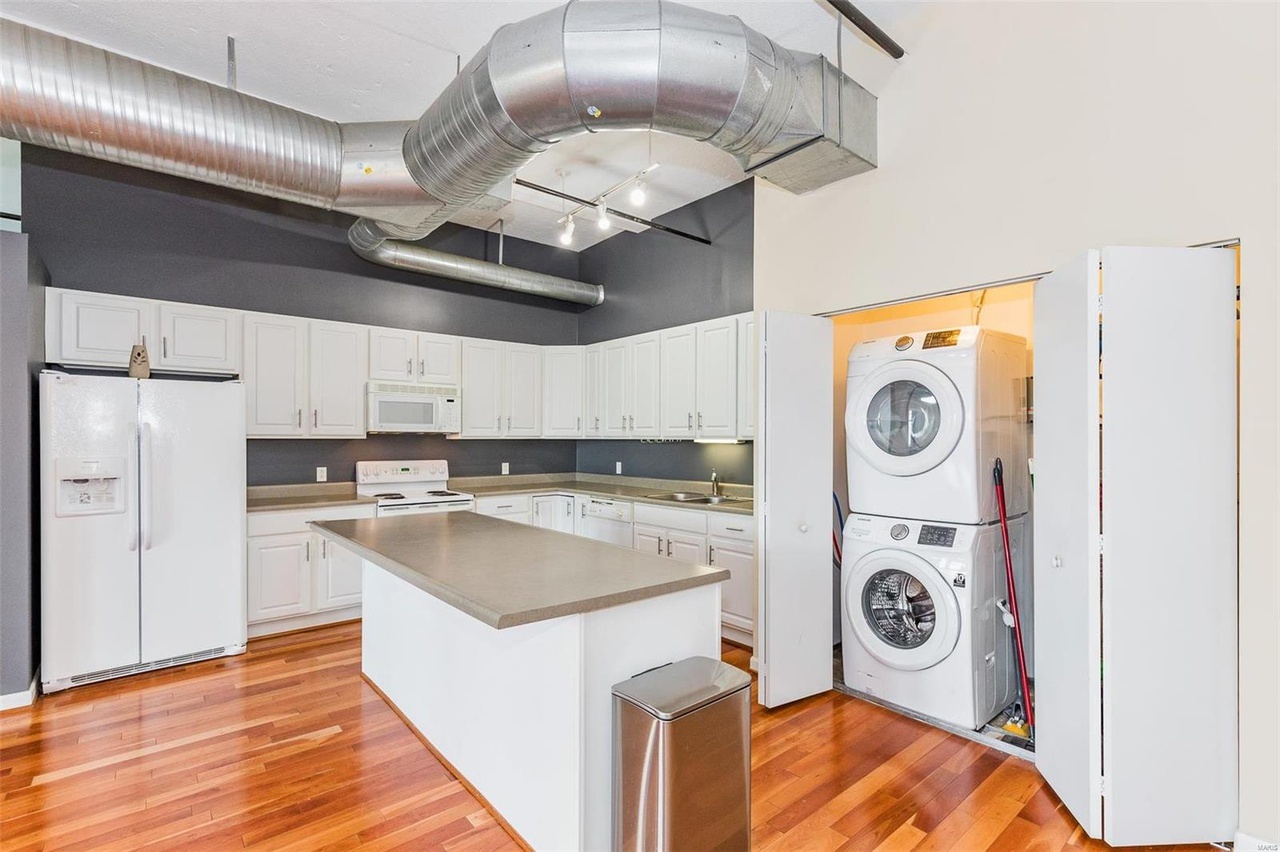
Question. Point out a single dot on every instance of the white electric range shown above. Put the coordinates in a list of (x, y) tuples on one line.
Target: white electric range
[(410, 487)]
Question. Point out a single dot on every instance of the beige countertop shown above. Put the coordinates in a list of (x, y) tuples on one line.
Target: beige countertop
[(505, 574), (632, 493), (281, 498)]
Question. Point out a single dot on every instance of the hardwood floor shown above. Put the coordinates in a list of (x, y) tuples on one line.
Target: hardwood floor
[(286, 747)]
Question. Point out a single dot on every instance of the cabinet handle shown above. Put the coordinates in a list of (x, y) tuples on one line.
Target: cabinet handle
[(734, 529), (164, 346), (624, 421), (711, 555), (499, 422), (690, 419), (597, 422), (568, 510), (633, 422), (508, 422), (659, 547), (507, 506), (315, 418), (668, 547), (422, 368), (299, 418), (699, 419), (584, 510), (306, 553), (408, 368), (324, 548)]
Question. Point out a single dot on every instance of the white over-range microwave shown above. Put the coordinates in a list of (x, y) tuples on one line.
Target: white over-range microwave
[(413, 408)]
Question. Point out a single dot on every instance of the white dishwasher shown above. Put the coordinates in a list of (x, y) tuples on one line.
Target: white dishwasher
[(604, 520)]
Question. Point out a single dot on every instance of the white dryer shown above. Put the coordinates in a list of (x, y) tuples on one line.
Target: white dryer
[(922, 627), (927, 415)]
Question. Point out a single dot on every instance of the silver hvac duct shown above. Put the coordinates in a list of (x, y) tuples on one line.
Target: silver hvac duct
[(654, 65)]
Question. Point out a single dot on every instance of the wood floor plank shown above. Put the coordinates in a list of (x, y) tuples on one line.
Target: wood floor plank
[(286, 747)]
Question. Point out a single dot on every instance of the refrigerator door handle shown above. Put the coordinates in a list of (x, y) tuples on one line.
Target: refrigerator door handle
[(145, 487), (132, 456)]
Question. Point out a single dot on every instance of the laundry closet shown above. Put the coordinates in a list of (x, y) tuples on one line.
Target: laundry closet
[(926, 396)]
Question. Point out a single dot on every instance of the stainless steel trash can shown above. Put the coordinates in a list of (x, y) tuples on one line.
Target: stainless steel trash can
[(682, 758)]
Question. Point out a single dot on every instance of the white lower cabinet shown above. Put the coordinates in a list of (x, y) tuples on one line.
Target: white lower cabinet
[(296, 577), (553, 512), (732, 547), (514, 507), (679, 534)]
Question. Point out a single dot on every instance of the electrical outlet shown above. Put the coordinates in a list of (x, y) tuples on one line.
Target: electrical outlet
[(506, 468), (617, 467), (322, 474)]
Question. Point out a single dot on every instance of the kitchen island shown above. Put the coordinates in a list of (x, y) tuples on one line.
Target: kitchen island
[(499, 643)]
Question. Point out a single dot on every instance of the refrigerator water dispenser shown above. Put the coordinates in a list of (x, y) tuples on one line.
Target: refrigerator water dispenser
[(92, 486)]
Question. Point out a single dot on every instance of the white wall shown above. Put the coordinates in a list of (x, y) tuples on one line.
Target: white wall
[(1015, 135)]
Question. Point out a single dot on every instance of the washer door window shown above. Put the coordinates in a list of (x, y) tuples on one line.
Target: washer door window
[(902, 610), (906, 418)]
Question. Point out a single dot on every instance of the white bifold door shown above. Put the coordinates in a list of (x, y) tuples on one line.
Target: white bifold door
[(793, 507), (1135, 543)]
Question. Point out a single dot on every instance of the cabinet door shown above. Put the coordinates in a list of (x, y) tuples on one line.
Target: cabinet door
[(593, 380), (439, 359), (564, 513), (101, 330), (687, 547), (198, 338), (545, 513), (337, 370), (649, 539), (738, 593), (678, 382), (339, 574), (275, 357), (645, 385), (615, 389), (718, 378), (523, 391), (481, 389), (392, 353), (747, 376), (279, 576), (562, 386)]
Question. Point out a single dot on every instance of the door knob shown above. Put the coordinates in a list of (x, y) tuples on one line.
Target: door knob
[(804, 528), (1056, 562)]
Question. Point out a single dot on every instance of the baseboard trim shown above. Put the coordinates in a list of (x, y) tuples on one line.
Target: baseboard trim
[(293, 624), (1249, 843), (26, 698)]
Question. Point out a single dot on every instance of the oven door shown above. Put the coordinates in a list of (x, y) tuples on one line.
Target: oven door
[(424, 508), (404, 412)]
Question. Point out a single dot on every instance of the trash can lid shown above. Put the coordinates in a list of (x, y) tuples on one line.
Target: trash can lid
[(675, 689)]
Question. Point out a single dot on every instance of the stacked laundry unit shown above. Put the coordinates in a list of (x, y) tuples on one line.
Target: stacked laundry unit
[(923, 575)]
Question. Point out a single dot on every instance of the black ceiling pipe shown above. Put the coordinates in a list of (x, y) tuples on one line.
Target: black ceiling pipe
[(850, 13)]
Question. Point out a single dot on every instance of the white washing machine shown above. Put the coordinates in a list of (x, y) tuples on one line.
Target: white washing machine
[(922, 628), (927, 415)]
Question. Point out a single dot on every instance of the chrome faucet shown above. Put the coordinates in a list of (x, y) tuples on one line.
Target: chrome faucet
[(715, 483)]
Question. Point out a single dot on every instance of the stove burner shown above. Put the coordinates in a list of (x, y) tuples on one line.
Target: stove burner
[(389, 495), (442, 494)]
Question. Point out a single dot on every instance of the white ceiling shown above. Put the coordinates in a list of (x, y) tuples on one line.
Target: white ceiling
[(373, 60)]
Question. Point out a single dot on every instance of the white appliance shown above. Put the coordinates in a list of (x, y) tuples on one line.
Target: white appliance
[(413, 408), (410, 487), (604, 520), (928, 413), (142, 489), (921, 617)]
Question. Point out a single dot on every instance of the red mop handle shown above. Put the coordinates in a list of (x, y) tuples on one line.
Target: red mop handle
[(998, 473)]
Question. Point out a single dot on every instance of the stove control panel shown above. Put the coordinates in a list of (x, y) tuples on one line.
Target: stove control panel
[(427, 470)]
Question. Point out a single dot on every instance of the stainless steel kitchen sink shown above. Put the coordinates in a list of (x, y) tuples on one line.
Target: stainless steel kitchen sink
[(694, 497)]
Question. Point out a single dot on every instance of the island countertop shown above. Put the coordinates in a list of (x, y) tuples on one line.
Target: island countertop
[(505, 573)]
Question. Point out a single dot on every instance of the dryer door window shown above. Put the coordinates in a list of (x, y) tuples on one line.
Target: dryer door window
[(902, 610), (905, 418)]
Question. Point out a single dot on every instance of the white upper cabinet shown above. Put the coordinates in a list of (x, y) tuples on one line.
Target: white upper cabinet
[(747, 376), (615, 389), (338, 367), (523, 390), (393, 355), (645, 386), (717, 415), (562, 391), (678, 381), (593, 381), (439, 359), (96, 329), (198, 338), (275, 360), (482, 388)]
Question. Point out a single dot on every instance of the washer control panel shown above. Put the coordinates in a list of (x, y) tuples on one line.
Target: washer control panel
[(936, 536)]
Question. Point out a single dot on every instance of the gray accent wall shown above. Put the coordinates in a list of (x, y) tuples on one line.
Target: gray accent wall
[(21, 355), (668, 460), (655, 280)]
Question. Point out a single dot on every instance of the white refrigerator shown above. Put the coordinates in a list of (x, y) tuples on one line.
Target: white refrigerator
[(142, 489)]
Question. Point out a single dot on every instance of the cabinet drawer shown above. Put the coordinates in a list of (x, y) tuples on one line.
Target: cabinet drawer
[(732, 526), (687, 520), (296, 520), (509, 504)]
